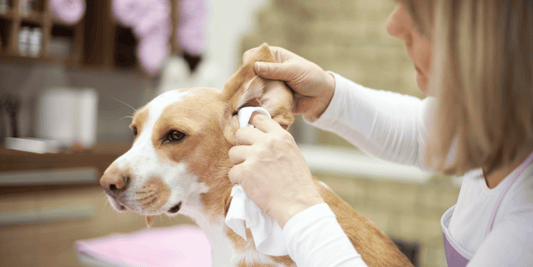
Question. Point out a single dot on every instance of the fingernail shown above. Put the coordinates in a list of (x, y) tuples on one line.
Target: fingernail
[(257, 67)]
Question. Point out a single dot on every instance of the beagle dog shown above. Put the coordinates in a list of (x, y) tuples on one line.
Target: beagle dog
[(179, 164)]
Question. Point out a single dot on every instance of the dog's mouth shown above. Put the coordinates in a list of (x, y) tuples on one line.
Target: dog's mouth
[(116, 204), (121, 206), (150, 218), (175, 208)]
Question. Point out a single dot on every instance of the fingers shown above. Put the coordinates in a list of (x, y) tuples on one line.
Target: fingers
[(248, 136), (234, 175), (275, 71), (280, 54), (237, 154), (263, 123), (282, 70), (247, 54)]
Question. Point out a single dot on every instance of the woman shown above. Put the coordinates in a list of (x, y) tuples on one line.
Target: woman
[(474, 59)]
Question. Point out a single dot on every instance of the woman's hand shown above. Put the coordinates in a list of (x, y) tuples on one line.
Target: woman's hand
[(312, 87), (271, 170)]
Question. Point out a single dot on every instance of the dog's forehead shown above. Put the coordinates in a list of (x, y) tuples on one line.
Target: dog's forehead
[(185, 97), (195, 101), (156, 107), (162, 101), (179, 102)]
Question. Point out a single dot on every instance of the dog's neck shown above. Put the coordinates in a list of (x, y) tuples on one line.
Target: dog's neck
[(205, 207), (213, 226), (222, 249), (227, 248)]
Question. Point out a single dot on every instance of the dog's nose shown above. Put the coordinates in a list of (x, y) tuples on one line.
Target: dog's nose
[(114, 182)]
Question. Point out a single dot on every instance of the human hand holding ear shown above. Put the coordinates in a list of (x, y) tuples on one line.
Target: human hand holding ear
[(271, 170), (312, 87)]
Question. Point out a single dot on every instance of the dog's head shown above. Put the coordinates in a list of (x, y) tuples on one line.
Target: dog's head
[(179, 158)]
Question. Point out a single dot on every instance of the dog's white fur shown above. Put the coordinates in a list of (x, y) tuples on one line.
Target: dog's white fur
[(157, 174)]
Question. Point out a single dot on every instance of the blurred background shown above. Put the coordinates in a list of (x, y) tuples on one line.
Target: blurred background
[(72, 71)]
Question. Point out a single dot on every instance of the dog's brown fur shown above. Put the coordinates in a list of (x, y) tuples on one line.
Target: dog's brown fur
[(374, 246), (209, 119)]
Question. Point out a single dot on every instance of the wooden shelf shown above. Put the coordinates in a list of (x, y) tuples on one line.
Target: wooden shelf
[(23, 59), (7, 15), (33, 17), (100, 157), (97, 41)]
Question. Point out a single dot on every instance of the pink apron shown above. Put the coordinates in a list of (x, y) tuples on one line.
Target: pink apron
[(456, 256)]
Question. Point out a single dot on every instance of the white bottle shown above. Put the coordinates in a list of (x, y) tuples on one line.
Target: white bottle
[(4, 6), (36, 42), (24, 40), (25, 7)]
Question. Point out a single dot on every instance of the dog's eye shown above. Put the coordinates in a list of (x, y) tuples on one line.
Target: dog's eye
[(135, 131), (175, 136)]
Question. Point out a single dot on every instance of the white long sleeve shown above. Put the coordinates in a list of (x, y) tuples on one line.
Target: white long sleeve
[(387, 125), (384, 124), (315, 238), (394, 127)]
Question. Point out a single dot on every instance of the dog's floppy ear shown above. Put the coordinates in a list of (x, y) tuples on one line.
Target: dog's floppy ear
[(246, 89)]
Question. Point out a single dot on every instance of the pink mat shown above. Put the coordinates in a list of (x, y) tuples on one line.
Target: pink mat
[(172, 246)]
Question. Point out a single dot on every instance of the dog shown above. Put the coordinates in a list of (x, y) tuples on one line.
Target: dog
[(179, 164)]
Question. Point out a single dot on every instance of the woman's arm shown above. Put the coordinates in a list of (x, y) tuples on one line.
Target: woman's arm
[(315, 238), (508, 244), (387, 125), (274, 174)]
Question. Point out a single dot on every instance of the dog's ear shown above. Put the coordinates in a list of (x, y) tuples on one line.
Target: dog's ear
[(246, 89), (227, 201)]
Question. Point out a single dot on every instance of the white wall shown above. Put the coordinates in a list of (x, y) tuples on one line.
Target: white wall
[(229, 20)]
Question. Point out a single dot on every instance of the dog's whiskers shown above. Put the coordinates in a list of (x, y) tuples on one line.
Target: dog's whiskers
[(158, 200), (141, 192), (134, 110), (153, 201), (126, 117), (105, 204), (146, 201), (144, 196)]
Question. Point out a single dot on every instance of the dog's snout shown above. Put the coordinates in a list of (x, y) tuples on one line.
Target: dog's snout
[(119, 184), (114, 186), (114, 181)]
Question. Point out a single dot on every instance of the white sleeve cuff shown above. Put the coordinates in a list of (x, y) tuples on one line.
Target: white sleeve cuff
[(315, 238), (387, 125), (339, 109), (332, 110)]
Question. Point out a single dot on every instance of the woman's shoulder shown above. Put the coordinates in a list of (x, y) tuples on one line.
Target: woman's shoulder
[(517, 203)]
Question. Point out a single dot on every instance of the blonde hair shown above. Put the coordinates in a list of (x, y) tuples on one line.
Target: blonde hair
[(482, 73)]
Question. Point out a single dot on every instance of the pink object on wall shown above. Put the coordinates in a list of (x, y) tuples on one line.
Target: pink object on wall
[(191, 28), (152, 52), (128, 12), (67, 11), (153, 24), (173, 246), (131, 12)]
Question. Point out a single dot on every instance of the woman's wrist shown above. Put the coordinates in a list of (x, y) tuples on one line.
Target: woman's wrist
[(295, 207), (324, 99)]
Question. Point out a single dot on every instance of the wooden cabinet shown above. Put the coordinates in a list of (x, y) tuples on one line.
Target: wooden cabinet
[(30, 234), (40, 223), (50, 241), (13, 20), (96, 41)]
